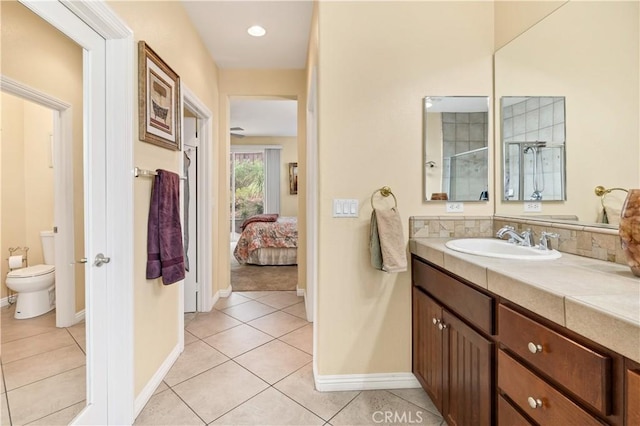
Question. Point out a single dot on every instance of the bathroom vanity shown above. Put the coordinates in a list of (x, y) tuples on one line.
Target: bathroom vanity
[(503, 342)]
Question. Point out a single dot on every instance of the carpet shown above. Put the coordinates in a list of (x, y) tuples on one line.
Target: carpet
[(263, 278)]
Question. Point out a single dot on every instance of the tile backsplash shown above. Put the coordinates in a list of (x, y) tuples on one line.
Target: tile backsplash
[(450, 226), (578, 239)]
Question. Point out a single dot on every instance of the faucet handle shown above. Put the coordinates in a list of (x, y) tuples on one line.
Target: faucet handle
[(544, 239), (527, 237)]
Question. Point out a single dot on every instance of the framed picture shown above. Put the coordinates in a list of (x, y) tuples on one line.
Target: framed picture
[(158, 100), (293, 178)]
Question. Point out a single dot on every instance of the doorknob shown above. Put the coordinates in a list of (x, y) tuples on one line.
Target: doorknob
[(101, 259)]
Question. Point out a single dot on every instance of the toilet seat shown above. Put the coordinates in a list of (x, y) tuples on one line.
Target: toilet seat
[(31, 271)]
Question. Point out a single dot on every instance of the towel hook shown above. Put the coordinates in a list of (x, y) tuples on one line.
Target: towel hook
[(385, 191)]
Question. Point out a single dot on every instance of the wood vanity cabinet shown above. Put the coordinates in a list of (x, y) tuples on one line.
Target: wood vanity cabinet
[(452, 361), (485, 360)]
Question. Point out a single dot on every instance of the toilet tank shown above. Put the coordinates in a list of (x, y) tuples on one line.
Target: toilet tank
[(48, 247)]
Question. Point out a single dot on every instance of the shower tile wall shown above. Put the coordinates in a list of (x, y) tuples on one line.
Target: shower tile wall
[(536, 119), (461, 133)]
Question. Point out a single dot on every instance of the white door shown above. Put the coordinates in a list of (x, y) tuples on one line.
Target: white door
[(94, 99), (190, 215)]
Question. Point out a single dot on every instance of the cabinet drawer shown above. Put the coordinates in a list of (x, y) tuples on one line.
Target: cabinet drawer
[(584, 372), (525, 388), (509, 416), (466, 302)]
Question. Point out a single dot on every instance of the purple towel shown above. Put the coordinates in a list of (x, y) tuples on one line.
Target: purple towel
[(165, 254)]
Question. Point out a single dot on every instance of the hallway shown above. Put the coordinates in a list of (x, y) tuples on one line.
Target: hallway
[(249, 362)]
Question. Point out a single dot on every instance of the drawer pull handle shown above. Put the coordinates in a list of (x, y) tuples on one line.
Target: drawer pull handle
[(533, 348), (534, 403), (441, 326)]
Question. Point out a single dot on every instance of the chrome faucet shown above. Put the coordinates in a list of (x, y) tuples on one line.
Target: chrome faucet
[(524, 239)]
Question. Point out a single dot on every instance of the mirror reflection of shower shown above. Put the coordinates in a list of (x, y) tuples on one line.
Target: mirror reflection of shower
[(534, 140), (537, 175)]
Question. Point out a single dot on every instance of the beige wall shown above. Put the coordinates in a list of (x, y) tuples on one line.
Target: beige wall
[(289, 154), (587, 52), (377, 60), (37, 55), (434, 152), (27, 178), (38, 175), (13, 213), (166, 28), (512, 18), (289, 83)]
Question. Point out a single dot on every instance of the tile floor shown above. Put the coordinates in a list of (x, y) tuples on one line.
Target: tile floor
[(43, 370), (247, 362)]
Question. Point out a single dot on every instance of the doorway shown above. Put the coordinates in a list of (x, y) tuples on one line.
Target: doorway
[(196, 202), (190, 183), (107, 107), (48, 196)]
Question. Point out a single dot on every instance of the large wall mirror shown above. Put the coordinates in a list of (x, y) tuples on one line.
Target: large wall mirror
[(533, 141), (588, 54), (456, 136)]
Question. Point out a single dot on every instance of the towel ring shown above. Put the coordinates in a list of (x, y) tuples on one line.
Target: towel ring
[(385, 191), (602, 192)]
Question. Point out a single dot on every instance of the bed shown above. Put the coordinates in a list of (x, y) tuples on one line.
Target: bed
[(268, 242)]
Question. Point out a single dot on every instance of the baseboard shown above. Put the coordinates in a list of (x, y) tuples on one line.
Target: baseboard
[(301, 292), (4, 302), (226, 292), (359, 382), (80, 316), (215, 299), (145, 395)]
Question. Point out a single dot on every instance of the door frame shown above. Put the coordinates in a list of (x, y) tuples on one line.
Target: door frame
[(113, 405), (192, 176), (206, 183)]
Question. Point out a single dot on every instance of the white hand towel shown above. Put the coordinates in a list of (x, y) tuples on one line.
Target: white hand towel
[(392, 244)]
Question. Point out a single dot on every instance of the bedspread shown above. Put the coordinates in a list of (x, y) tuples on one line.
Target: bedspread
[(282, 233)]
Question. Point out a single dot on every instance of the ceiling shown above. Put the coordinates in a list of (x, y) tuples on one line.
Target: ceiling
[(223, 25), (274, 117)]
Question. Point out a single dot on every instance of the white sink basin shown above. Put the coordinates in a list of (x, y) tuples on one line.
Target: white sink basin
[(493, 247)]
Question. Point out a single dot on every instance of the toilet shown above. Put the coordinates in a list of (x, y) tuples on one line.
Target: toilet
[(35, 285)]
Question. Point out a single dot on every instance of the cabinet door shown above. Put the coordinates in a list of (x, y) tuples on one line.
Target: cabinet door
[(427, 345), (633, 397), (468, 384)]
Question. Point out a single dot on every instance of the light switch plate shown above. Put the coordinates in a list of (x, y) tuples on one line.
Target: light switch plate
[(345, 207)]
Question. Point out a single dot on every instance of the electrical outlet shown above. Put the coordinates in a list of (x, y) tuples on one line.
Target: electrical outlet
[(532, 206), (455, 207)]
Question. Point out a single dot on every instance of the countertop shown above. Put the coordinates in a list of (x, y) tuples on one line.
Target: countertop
[(597, 299)]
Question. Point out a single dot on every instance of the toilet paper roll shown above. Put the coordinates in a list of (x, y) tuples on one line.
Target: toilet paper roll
[(15, 262)]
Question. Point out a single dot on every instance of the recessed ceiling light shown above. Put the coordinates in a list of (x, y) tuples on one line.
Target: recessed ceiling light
[(256, 31)]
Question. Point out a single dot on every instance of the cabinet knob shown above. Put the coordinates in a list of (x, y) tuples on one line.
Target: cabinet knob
[(435, 321), (441, 325), (534, 402), (533, 348)]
